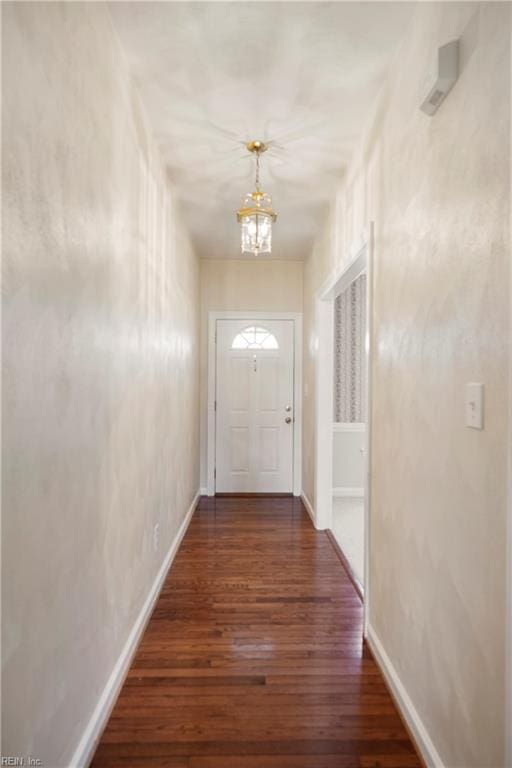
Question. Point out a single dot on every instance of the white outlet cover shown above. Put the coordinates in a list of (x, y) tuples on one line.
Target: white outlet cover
[(474, 405)]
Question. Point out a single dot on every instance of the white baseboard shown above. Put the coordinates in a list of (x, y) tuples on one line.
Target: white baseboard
[(92, 734), (345, 492), (203, 492), (403, 701), (309, 507)]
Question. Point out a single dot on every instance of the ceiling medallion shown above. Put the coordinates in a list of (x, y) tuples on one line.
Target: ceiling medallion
[(256, 214)]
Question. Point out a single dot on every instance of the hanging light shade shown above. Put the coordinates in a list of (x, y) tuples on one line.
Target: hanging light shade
[(256, 215)]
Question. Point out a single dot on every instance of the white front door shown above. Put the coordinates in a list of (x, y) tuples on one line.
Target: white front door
[(254, 406)]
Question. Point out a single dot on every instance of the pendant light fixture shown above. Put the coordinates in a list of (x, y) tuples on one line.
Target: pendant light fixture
[(256, 214)]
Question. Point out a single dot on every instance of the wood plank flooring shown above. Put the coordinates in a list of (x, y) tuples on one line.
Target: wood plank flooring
[(253, 656)]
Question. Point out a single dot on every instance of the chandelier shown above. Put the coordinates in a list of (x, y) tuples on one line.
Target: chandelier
[(256, 214)]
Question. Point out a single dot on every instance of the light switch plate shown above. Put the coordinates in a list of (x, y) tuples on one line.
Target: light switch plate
[(475, 405)]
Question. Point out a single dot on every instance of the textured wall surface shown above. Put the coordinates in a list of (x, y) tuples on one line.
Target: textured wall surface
[(349, 353), (438, 191), (316, 269), (100, 352), (239, 285)]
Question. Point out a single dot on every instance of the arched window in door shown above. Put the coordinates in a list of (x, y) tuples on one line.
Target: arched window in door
[(255, 337)]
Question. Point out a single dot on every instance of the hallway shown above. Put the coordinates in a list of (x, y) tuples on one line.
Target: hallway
[(253, 655), (263, 249)]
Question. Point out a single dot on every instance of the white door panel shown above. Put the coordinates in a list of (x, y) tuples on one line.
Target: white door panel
[(269, 449), (254, 394), (268, 385), (240, 449), (239, 384)]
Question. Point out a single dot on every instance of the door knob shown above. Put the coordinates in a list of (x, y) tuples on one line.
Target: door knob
[(288, 419), (288, 408)]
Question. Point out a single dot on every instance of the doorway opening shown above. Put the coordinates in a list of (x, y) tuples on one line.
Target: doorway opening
[(343, 411), (349, 425)]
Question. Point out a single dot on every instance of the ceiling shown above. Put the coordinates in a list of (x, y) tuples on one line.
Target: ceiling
[(303, 76)]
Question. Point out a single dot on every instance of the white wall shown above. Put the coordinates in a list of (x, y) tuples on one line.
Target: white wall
[(238, 285), (438, 191), (347, 459), (100, 352)]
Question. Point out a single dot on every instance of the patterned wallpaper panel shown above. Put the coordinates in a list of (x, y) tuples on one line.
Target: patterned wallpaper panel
[(349, 339)]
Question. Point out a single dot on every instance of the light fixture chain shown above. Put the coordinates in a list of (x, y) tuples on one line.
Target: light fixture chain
[(257, 171)]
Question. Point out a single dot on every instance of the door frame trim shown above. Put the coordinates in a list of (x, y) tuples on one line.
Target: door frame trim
[(296, 317), (341, 278)]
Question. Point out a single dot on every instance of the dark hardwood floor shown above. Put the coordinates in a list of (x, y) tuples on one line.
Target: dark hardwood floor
[(253, 656)]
